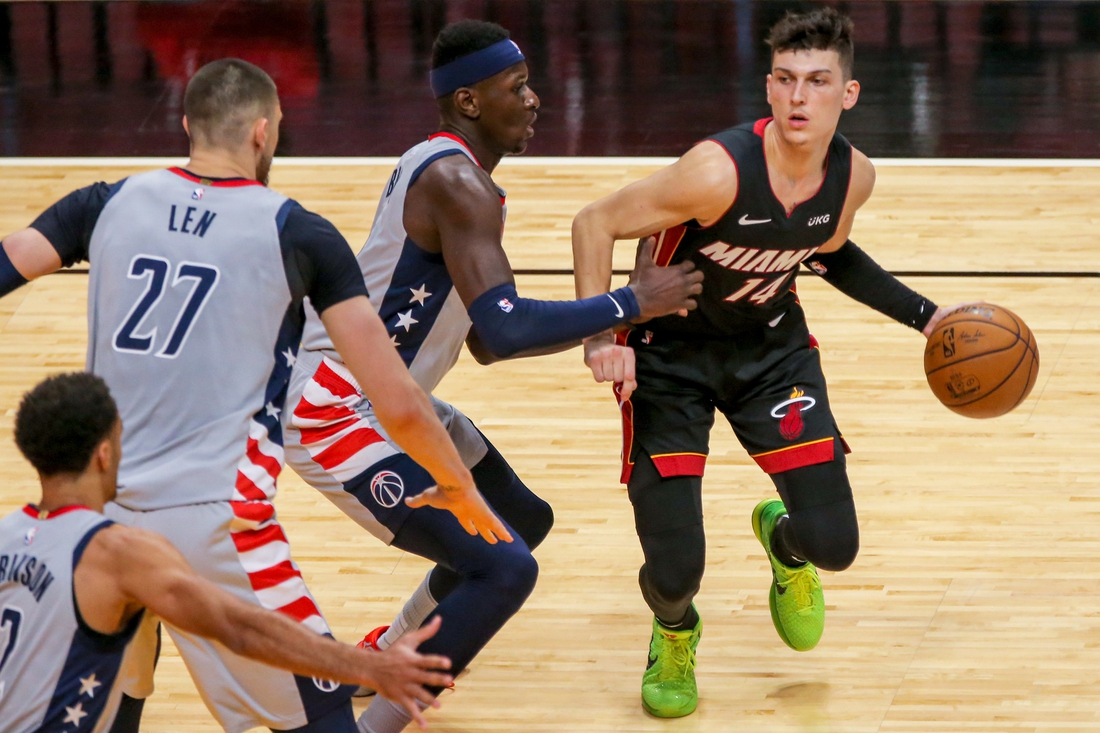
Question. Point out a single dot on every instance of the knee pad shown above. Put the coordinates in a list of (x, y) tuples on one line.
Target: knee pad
[(524, 511), (827, 536)]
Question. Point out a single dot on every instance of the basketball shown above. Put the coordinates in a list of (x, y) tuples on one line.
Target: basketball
[(981, 361)]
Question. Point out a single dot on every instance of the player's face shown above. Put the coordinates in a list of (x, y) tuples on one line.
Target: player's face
[(270, 142), (508, 109), (807, 92)]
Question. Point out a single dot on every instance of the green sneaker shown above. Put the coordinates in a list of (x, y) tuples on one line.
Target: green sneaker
[(796, 599), (668, 685)]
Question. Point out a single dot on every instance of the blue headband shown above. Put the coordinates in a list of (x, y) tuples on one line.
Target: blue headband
[(475, 67)]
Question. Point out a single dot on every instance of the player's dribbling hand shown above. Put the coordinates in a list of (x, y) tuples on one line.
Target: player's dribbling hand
[(400, 672), (469, 508), (611, 362), (940, 314), (663, 290)]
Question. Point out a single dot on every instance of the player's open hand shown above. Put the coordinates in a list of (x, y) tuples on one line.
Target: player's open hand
[(940, 314), (611, 362), (663, 290), (469, 508), (400, 672)]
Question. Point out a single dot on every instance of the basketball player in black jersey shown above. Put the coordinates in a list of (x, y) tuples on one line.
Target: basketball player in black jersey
[(747, 206)]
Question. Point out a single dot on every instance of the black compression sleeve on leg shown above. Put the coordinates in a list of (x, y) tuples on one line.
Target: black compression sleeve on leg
[(852, 271)]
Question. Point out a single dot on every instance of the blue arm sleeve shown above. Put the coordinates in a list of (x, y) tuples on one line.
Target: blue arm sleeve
[(507, 324), (10, 279)]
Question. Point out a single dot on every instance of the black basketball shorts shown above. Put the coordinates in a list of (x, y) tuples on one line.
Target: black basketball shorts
[(767, 381)]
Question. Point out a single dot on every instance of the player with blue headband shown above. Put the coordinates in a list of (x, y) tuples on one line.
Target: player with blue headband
[(439, 277)]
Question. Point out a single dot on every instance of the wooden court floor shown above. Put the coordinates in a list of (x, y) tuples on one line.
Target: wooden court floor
[(974, 605)]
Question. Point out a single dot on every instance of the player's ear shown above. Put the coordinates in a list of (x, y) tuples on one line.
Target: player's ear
[(851, 93), (260, 130), (768, 88), (466, 102), (186, 128)]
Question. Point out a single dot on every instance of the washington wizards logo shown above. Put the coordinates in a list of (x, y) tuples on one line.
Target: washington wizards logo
[(789, 413), (387, 488)]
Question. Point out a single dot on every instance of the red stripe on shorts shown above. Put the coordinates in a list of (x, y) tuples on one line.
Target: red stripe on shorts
[(346, 447), (273, 575), (316, 435), (253, 511), (300, 609), (324, 413), (680, 464), (796, 456), (333, 382), (253, 538)]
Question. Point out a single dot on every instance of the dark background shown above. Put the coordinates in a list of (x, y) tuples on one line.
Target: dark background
[(616, 77)]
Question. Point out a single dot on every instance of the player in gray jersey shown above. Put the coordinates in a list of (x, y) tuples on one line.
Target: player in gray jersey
[(74, 585), (194, 320), (439, 277)]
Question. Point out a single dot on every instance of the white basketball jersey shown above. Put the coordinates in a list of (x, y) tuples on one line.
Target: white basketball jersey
[(409, 287), (56, 673)]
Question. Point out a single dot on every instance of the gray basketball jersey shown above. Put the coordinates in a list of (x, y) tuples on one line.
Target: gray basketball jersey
[(190, 324), (409, 287), (56, 673)]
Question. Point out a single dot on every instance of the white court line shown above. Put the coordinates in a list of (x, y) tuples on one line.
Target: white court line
[(552, 161)]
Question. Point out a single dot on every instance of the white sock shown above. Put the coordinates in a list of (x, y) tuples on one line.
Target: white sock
[(417, 608), (383, 716)]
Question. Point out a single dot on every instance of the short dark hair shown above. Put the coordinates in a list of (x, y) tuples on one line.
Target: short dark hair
[(224, 98), (463, 38), (62, 420), (824, 29)]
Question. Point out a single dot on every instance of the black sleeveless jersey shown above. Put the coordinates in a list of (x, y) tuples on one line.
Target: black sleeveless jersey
[(750, 256)]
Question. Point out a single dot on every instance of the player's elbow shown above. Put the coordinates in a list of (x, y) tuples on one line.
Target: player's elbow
[(401, 411), (497, 344)]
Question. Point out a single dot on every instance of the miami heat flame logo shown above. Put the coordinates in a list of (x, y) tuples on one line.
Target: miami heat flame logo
[(790, 422)]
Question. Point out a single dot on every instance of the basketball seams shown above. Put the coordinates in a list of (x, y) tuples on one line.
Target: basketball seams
[(1028, 384), (979, 356)]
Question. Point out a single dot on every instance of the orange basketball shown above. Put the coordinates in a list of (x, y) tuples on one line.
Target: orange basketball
[(981, 361)]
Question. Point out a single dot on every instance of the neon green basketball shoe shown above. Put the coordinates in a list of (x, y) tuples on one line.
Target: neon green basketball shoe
[(796, 599), (668, 685)]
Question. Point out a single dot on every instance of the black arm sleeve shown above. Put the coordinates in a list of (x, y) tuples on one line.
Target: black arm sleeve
[(851, 271), (328, 270), (68, 224)]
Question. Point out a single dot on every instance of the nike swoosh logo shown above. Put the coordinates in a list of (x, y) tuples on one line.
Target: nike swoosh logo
[(775, 321), (746, 221), (618, 308)]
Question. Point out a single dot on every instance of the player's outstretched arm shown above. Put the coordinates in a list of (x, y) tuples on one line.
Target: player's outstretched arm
[(701, 185), (124, 570), (24, 256), (852, 271), (454, 208), (407, 415)]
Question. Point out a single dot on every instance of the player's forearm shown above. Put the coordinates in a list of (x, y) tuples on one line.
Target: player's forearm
[(278, 641), (24, 256), (593, 249)]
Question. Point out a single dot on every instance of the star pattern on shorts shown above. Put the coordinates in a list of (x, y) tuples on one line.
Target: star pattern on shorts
[(289, 356), (393, 338), (74, 714), (405, 320), (88, 685), (419, 295), (271, 409)]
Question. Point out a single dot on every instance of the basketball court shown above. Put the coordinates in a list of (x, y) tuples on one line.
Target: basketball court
[(973, 605)]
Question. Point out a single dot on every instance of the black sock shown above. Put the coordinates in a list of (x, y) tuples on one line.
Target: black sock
[(688, 622), (782, 542), (128, 719)]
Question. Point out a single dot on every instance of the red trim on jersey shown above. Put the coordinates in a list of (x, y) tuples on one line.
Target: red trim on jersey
[(796, 456), (32, 511), (225, 183), (627, 410), (346, 447), (460, 141), (680, 464), (667, 242), (274, 575), (252, 538), (300, 609), (248, 489), (758, 128)]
